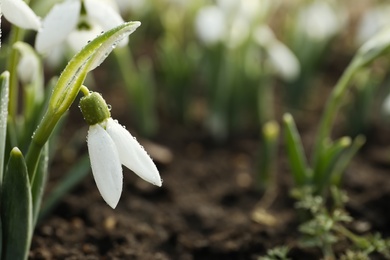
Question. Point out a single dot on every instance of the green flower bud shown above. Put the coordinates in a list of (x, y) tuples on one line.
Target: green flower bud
[(94, 108)]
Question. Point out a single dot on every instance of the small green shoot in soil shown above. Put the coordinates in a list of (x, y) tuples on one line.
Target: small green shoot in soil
[(326, 226), (277, 253)]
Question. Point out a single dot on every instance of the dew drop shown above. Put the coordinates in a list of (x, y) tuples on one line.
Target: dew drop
[(109, 107)]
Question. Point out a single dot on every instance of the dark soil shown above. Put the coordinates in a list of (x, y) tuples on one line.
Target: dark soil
[(208, 206), (205, 208)]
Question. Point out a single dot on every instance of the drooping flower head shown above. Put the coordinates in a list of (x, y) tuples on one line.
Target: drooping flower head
[(110, 145), (20, 14)]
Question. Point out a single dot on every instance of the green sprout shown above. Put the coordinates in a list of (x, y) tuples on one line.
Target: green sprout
[(330, 158)]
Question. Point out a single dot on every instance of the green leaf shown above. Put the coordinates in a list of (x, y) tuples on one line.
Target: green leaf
[(296, 155), (345, 159), (4, 91), (16, 209), (331, 153), (267, 161), (91, 56), (39, 182), (373, 48)]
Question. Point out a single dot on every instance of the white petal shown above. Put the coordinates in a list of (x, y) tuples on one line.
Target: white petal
[(132, 154), (210, 25), (103, 13), (284, 61), (106, 167), (386, 105), (77, 39), (29, 64), (20, 14), (57, 25)]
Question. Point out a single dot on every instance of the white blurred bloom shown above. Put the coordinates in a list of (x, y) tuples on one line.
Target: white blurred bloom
[(228, 6), (372, 22), (230, 21), (282, 59), (29, 63), (386, 105), (20, 14), (319, 21), (252, 8), (66, 23), (210, 25), (238, 33), (136, 6), (110, 145)]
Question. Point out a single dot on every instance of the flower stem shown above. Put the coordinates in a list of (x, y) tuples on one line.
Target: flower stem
[(12, 64), (331, 108), (39, 139)]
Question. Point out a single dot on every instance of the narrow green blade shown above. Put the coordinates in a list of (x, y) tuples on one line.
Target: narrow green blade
[(296, 155), (268, 157), (345, 159), (332, 152), (91, 56), (4, 91), (39, 182), (16, 211)]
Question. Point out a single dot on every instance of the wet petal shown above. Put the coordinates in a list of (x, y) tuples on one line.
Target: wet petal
[(57, 25), (77, 39), (106, 167), (20, 14), (132, 154), (104, 14)]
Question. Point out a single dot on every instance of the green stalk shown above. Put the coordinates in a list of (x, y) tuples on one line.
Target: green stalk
[(330, 112), (296, 155), (16, 35), (266, 175)]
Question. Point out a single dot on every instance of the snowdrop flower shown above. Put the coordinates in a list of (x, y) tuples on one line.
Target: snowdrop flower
[(230, 21), (110, 145), (29, 63), (386, 105), (320, 21), (135, 6), (20, 14), (210, 25), (372, 22), (282, 59), (76, 22)]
